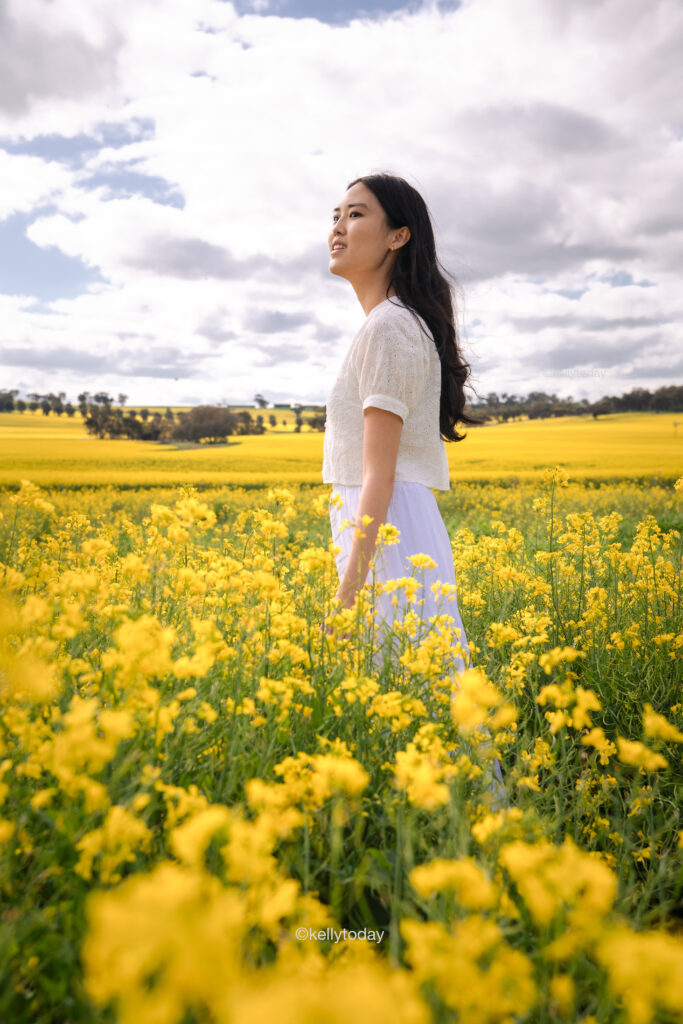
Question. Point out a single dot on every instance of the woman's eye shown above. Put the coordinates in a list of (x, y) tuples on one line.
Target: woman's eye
[(354, 213)]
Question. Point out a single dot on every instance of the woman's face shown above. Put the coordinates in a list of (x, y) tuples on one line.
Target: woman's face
[(359, 237)]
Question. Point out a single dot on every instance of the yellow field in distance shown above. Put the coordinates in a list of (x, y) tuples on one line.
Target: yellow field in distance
[(52, 450)]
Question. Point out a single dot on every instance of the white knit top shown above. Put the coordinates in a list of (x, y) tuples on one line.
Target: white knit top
[(391, 364)]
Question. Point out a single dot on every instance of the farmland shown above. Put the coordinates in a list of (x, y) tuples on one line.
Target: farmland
[(213, 811)]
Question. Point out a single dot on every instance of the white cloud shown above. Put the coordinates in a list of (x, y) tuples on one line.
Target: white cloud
[(28, 181), (546, 139)]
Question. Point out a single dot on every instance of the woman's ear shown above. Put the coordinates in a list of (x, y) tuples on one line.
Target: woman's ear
[(402, 236)]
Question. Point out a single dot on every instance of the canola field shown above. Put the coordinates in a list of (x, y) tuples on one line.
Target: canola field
[(58, 452), (212, 810)]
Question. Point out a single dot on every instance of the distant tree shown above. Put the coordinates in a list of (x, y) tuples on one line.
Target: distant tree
[(96, 420), (298, 418), (272, 420), (169, 415), (21, 405), (46, 406), (144, 413), (69, 410), (122, 399), (316, 422), (205, 423), (638, 399), (7, 402), (602, 408), (666, 399), (260, 428), (244, 422), (261, 402)]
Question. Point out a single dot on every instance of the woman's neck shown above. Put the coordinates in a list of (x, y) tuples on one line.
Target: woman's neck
[(373, 296)]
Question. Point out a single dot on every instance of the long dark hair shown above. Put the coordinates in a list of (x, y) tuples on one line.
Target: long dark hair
[(420, 284)]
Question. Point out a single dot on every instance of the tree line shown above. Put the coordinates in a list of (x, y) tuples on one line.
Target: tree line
[(101, 417), (215, 423)]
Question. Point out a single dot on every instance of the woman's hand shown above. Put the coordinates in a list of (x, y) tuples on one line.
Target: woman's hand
[(327, 629)]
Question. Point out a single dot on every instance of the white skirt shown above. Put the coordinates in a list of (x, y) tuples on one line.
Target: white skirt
[(415, 513)]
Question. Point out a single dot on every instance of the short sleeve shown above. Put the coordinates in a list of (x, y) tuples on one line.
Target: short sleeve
[(391, 366)]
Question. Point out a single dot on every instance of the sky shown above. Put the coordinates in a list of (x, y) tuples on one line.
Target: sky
[(168, 171)]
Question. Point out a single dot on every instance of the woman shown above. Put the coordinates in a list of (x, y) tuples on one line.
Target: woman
[(397, 399)]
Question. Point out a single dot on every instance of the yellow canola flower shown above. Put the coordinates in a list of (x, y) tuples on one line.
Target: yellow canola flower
[(475, 697), (585, 701), (470, 883), (563, 993), (329, 994), (500, 633), (177, 923), (658, 727), (558, 696), (210, 647), (190, 511), (645, 972), (564, 697), (558, 656), (421, 561), (35, 609), (313, 559), (398, 708), (142, 651), (116, 843), (491, 824), (422, 771), (557, 475), (550, 878), (7, 829), (134, 568), (77, 747), (30, 494), (190, 840), (26, 674), (635, 753), (472, 968), (312, 779), (11, 579), (388, 534), (596, 738)]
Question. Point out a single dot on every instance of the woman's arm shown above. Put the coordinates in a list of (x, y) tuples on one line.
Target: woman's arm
[(381, 437)]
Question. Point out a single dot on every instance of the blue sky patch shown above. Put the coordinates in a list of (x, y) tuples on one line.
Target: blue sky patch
[(28, 269), (75, 150), (336, 12), (124, 183)]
